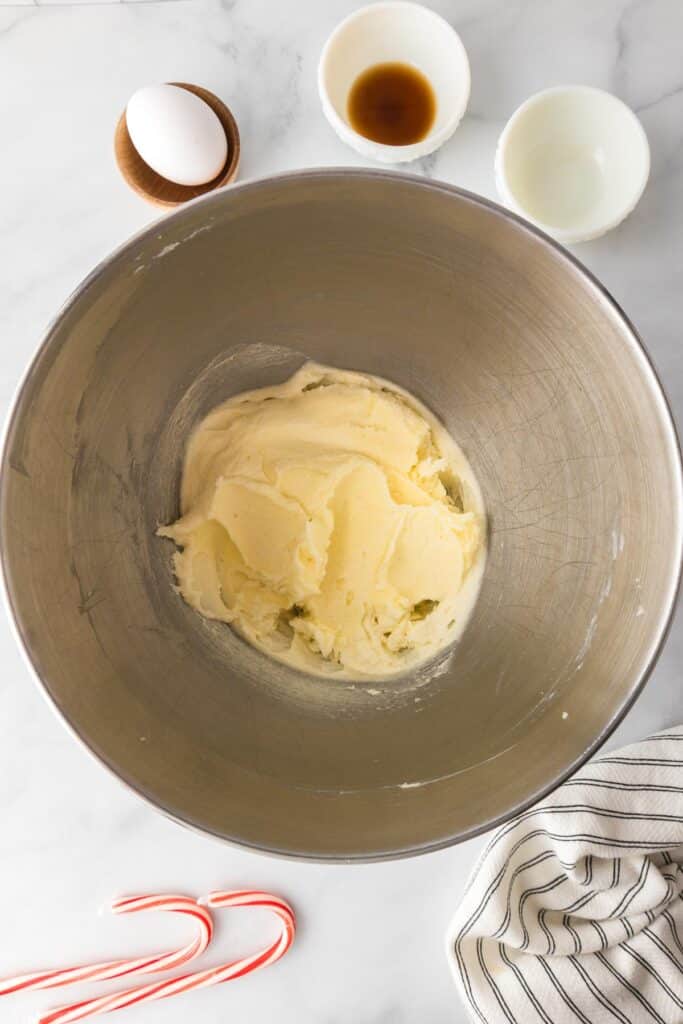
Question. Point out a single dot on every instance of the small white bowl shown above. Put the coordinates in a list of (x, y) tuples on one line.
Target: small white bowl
[(573, 160), (409, 34)]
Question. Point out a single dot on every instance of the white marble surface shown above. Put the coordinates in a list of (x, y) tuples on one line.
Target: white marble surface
[(370, 943)]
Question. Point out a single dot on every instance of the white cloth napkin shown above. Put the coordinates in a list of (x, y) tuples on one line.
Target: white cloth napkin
[(574, 912)]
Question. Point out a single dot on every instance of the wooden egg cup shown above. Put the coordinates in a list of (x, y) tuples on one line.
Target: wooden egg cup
[(150, 185)]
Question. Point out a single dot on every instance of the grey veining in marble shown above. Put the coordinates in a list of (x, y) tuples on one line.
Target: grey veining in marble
[(370, 945)]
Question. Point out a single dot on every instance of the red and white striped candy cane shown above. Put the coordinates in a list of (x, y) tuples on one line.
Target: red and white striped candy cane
[(122, 968), (201, 979)]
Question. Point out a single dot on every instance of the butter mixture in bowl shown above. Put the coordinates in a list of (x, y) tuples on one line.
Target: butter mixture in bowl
[(333, 522)]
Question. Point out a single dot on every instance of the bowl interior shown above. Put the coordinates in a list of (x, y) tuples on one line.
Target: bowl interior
[(398, 32), (575, 159), (532, 369)]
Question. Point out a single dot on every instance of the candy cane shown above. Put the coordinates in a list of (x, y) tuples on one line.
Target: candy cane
[(121, 968), (201, 979)]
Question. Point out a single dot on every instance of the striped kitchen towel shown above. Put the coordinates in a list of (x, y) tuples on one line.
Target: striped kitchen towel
[(575, 909)]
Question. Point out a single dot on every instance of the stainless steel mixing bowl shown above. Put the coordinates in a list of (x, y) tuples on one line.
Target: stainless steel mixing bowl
[(534, 370)]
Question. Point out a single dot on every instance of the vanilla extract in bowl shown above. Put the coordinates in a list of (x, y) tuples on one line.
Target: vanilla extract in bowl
[(392, 103)]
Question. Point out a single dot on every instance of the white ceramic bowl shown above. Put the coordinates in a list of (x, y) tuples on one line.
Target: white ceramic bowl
[(573, 160), (387, 32)]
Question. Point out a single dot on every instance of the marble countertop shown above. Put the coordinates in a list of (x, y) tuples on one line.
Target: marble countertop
[(370, 947)]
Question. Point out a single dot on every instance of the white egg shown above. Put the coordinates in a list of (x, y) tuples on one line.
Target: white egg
[(177, 134)]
